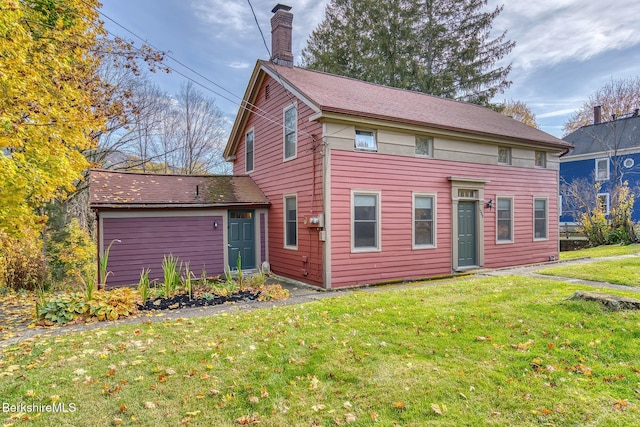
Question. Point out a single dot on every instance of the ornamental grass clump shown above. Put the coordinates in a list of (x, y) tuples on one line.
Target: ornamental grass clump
[(171, 275)]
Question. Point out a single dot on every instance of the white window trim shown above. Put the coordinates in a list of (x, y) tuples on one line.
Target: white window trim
[(608, 202), (424, 156), (378, 247), (512, 231), (253, 154), (546, 215), (413, 221), (284, 222), (608, 167), (560, 205), (284, 133), (508, 162), (375, 140)]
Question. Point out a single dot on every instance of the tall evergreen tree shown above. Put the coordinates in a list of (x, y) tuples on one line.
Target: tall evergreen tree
[(440, 47)]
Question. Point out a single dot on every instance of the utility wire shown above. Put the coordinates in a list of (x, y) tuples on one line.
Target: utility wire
[(243, 104), (264, 40), (304, 123)]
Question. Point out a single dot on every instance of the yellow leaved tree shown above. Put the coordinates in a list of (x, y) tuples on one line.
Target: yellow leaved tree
[(48, 84)]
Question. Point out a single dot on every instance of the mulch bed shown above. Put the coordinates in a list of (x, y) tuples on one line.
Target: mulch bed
[(183, 301)]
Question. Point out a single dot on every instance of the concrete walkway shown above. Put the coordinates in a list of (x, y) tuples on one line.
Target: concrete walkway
[(532, 271), (302, 294)]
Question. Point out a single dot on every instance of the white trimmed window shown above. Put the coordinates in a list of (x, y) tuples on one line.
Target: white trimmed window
[(290, 132), (602, 169), (603, 202), (248, 151), (504, 155), (291, 221), (366, 140), (424, 146), (504, 218), (540, 219), (541, 159), (424, 221), (365, 225)]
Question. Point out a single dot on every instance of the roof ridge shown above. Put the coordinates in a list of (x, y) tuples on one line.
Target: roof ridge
[(163, 174), (380, 85)]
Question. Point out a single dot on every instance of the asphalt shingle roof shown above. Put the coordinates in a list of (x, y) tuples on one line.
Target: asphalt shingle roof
[(128, 189), (337, 94), (607, 136)]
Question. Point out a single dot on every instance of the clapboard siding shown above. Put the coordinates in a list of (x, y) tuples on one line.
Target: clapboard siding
[(143, 242), (397, 178), (301, 176)]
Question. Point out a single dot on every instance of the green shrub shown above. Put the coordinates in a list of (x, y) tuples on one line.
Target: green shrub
[(71, 255)]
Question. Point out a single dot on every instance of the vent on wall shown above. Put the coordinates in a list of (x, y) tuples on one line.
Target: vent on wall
[(267, 92)]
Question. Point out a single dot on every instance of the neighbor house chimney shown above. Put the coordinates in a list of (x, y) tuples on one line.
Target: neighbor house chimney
[(281, 28), (597, 113)]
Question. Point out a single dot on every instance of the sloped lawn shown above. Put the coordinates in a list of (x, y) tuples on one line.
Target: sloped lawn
[(601, 251), (625, 271), (496, 351)]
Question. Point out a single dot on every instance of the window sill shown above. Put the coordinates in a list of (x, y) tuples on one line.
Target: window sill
[(421, 247), (365, 250)]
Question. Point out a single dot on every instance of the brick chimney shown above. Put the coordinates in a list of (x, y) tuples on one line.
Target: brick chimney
[(597, 114), (281, 29)]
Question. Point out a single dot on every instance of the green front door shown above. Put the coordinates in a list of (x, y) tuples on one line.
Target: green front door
[(466, 234), (241, 239)]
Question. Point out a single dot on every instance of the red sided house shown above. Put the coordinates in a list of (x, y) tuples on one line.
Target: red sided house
[(371, 184), (342, 183)]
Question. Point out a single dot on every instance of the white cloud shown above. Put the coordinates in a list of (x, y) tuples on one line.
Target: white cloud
[(556, 113), (548, 32), (240, 65)]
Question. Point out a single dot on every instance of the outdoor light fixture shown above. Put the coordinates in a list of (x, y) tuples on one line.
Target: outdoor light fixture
[(489, 204), (215, 224)]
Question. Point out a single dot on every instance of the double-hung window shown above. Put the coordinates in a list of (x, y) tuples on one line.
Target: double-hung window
[(248, 151), (291, 222), (540, 219), (290, 132), (603, 202), (424, 207), (365, 234), (602, 169), (504, 226)]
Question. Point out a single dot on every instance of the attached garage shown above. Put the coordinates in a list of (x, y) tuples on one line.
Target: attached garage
[(204, 220)]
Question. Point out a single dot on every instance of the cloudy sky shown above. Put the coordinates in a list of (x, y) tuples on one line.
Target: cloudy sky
[(565, 49)]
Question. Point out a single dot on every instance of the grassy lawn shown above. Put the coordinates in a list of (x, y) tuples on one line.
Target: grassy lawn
[(601, 251), (624, 271), (495, 351)]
